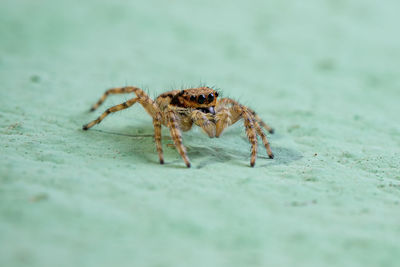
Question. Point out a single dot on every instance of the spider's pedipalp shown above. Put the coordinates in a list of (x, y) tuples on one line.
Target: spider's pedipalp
[(223, 120), (201, 120)]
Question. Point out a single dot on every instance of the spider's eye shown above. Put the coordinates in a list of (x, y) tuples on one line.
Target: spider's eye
[(201, 99), (210, 98), (216, 94), (192, 98)]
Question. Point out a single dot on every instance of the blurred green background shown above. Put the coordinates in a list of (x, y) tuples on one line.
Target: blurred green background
[(324, 74)]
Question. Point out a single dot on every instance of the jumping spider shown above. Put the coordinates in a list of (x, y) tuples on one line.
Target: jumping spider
[(179, 109)]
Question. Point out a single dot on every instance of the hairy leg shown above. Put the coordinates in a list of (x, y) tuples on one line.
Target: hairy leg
[(228, 116), (120, 90), (157, 138), (173, 126), (261, 122), (148, 104), (264, 139), (251, 135), (225, 102), (116, 108)]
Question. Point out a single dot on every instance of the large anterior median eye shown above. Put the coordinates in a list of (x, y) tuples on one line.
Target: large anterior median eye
[(201, 99), (192, 98), (210, 98)]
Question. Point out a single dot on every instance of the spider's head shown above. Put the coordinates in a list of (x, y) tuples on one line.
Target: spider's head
[(202, 98)]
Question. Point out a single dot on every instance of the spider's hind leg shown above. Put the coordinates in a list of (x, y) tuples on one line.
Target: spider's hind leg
[(148, 104), (119, 90), (116, 108)]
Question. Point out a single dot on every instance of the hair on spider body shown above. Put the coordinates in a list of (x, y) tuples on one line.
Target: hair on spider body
[(179, 110)]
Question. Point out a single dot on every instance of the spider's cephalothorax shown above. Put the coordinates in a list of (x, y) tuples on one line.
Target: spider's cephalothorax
[(180, 109)]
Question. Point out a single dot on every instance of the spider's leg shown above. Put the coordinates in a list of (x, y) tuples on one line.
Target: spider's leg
[(120, 90), (251, 135), (144, 99), (148, 104), (201, 120), (261, 122), (157, 137), (176, 135), (264, 139), (116, 108), (257, 121)]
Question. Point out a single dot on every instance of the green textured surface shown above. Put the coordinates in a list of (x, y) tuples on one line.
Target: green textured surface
[(325, 74)]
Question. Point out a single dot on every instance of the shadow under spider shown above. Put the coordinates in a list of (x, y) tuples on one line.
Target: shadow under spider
[(212, 155), (209, 155)]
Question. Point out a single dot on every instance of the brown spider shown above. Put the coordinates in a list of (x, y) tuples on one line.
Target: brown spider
[(179, 109)]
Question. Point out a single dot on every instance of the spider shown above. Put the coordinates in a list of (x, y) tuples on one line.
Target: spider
[(180, 109)]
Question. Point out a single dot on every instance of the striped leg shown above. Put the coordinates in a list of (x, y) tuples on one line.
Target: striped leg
[(116, 108), (264, 139), (157, 138), (261, 122), (176, 136), (202, 121), (251, 135), (227, 101), (227, 117), (148, 104), (121, 90)]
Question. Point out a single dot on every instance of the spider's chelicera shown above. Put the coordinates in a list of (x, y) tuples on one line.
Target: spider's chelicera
[(180, 109)]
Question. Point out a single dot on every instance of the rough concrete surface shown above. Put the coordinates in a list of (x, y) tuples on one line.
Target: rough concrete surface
[(324, 74)]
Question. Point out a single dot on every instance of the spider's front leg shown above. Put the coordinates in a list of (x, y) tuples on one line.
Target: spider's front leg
[(228, 116), (173, 125), (223, 103)]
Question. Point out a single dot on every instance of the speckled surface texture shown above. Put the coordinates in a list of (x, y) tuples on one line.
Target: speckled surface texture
[(325, 74)]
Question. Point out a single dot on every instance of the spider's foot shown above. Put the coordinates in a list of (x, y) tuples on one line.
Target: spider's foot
[(271, 131), (92, 109), (271, 156), (252, 164), (161, 161), (85, 127), (188, 164)]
